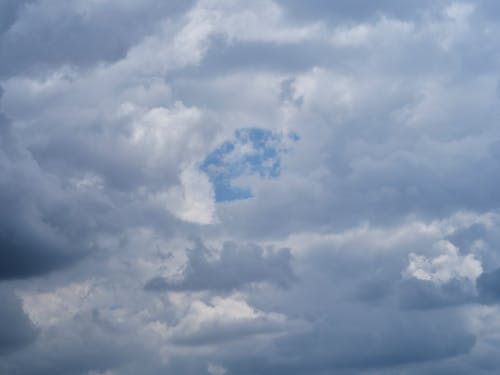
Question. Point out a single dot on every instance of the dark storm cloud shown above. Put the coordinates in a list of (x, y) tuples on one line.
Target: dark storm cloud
[(47, 34), (235, 266), (23, 257), (40, 228), (27, 246), (16, 330), (378, 339)]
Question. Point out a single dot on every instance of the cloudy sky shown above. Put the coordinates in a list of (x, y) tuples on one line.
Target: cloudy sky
[(249, 187)]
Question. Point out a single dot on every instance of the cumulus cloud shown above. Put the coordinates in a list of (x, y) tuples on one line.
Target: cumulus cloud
[(41, 34), (487, 285), (336, 164), (445, 267), (231, 268), (37, 227), (16, 329)]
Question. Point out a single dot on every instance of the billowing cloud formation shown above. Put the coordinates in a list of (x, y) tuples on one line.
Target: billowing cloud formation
[(16, 330), (41, 34), (37, 232), (266, 187), (234, 267)]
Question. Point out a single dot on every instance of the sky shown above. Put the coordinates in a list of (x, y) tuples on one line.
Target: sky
[(229, 187)]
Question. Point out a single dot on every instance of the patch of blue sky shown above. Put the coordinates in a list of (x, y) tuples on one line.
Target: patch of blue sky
[(251, 151), (293, 136)]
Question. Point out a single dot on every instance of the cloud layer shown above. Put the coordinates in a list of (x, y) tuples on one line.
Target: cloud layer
[(267, 187)]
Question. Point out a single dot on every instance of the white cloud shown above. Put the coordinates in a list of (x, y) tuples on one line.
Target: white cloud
[(216, 369), (51, 308), (382, 32), (114, 105), (444, 267), (193, 200)]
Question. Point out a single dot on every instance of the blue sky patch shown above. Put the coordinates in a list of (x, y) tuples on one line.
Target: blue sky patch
[(251, 151)]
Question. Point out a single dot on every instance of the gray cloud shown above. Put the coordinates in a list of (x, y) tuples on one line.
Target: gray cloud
[(235, 266), (489, 287), (16, 330), (30, 238), (381, 341), (372, 248), (355, 10), (421, 294), (9, 11), (49, 34)]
